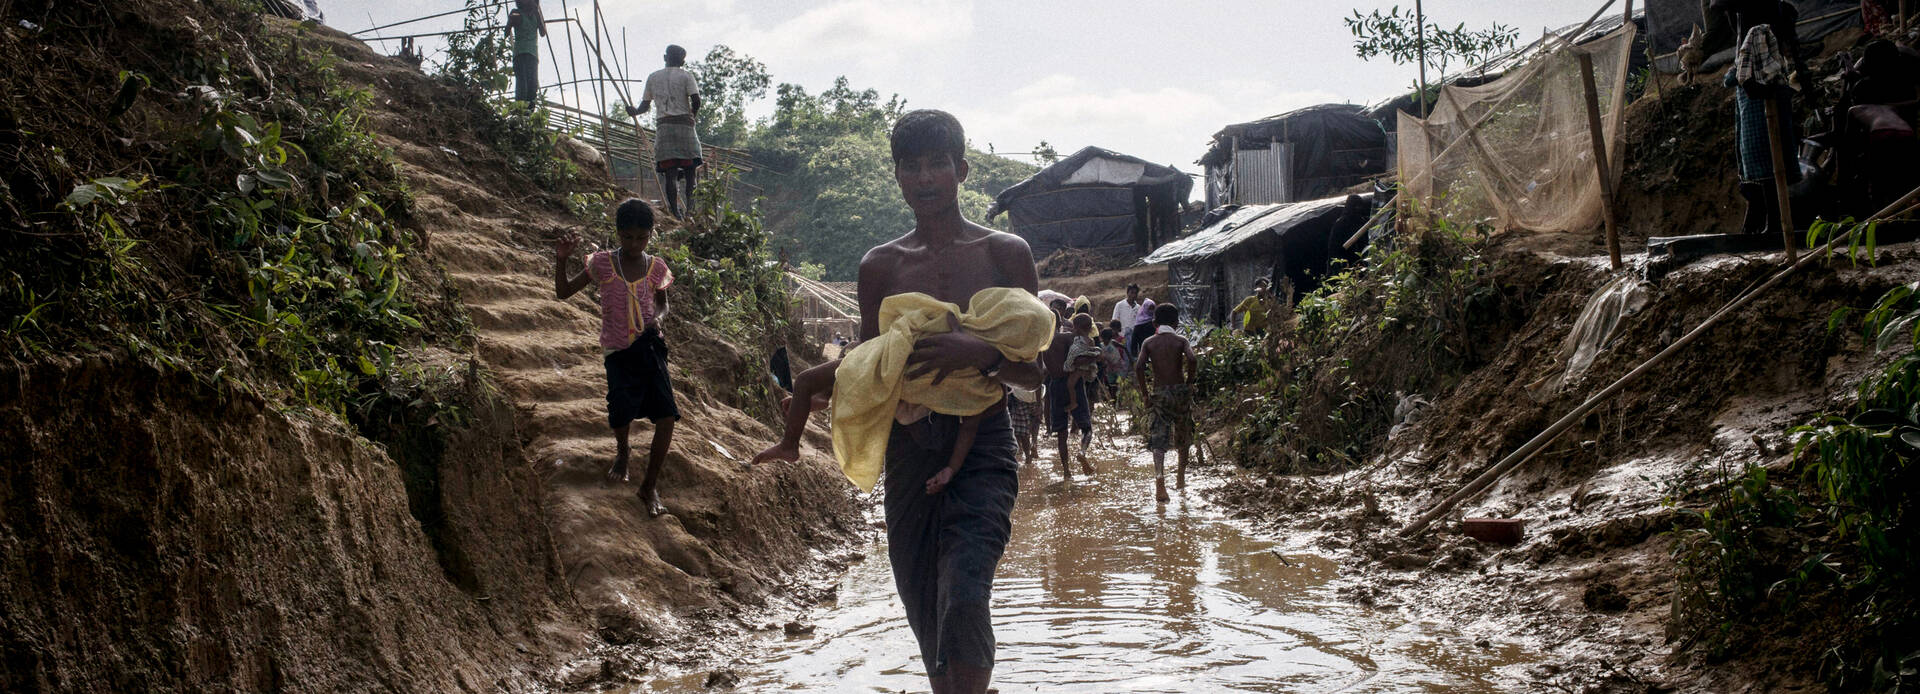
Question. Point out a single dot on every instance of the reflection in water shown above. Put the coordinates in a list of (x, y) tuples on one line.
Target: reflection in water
[(1101, 590)]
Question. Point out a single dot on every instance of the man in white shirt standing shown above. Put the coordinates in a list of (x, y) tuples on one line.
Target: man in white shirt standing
[(676, 144), (1125, 309)]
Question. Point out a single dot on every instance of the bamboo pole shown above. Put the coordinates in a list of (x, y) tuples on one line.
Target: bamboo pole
[(449, 32), (1533, 447), (431, 16), (1420, 46), (554, 56), (1778, 150), (600, 101), (1598, 134), (573, 67)]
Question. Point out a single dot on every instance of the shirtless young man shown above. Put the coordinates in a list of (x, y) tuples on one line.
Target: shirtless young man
[(1168, 358), (944, 548)]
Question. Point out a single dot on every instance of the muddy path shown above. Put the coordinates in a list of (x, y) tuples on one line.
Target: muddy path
[(1102, 590)]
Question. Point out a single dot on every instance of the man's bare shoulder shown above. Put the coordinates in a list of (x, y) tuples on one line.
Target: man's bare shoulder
[(1007, 245), (883, 256)]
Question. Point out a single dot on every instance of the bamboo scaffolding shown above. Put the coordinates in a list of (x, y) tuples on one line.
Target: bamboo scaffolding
[(431, 16), (448, 32)]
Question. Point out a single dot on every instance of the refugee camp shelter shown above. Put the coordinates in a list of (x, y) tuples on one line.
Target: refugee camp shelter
[(1096, 199), (1299, 155), (1214, 267), (1669, 22)]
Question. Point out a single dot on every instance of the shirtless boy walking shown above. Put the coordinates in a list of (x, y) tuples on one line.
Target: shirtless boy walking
[(1168, 359)]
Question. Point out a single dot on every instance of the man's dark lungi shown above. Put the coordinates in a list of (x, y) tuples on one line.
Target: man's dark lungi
[(945, 548)]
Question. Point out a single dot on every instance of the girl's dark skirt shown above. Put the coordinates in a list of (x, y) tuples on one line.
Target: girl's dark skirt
[(637, 383)]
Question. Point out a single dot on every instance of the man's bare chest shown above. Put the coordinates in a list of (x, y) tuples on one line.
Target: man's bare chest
[(954, 278)]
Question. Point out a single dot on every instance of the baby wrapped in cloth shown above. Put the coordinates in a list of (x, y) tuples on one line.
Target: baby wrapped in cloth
[(944, 547)]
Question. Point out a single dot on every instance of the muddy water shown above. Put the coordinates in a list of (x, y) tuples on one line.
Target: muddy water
[(1102, 590)]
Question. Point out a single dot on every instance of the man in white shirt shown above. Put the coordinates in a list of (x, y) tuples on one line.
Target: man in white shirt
[(1125, 309), (676, 144)]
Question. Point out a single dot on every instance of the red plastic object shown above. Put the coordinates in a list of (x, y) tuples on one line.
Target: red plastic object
[(1505, 531)]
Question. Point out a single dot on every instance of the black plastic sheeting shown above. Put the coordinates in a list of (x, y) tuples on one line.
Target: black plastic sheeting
[(1087, 218), (1670, 21), (1107, 215), (1334, 146)]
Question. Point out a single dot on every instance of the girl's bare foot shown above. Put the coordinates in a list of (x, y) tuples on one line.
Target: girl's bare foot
[(618, 473), (651, 498)]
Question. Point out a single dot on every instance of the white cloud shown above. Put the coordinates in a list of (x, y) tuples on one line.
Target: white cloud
[(1166, 124), (838, 37)]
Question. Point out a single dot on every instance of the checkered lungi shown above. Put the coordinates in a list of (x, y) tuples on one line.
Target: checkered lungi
[(676, 141), (1024, 415)]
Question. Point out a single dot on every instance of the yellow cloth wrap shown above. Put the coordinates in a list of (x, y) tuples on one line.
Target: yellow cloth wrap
[(871, 380)]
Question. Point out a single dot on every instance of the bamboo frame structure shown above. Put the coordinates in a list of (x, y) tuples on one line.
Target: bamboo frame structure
[(597, 66)]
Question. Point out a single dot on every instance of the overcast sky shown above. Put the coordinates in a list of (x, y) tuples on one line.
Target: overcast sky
[(1152, 79)]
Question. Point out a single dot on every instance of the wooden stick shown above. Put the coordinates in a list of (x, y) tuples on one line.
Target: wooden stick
[(447, 33), (431, 16), (573, 66), (1420, 43), (1600, 156), (554, 56), (1780, 175), (1362, 231), (1540, 442)]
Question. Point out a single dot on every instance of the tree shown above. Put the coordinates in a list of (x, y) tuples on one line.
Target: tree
[(1405, 37), (729, 82), (1045, 154), (826, 165)]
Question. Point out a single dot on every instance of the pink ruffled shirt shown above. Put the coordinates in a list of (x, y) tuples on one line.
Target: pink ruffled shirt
[(626, 306)]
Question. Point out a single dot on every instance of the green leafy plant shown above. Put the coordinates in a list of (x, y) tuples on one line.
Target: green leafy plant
[(1833, 541), (1398, 35), (1413, 312)]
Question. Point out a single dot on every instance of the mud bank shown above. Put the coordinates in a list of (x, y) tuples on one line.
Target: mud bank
[(162, 534), (1590, 586)]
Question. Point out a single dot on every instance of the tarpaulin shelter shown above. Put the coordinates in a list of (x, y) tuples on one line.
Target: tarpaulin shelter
[(1670, 21), (1214, 267), (1297, 155), (1096, 199)]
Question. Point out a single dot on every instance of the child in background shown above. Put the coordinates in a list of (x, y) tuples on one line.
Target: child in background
[(1023, 413), (636, 355), (1113, 361), (1083, 369)]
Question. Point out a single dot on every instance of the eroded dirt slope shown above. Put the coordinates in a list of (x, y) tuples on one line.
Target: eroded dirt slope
[(734, 536), (1592, 581)]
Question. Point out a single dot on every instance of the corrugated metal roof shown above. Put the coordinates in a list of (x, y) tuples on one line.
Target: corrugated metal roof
[(1243, 225)]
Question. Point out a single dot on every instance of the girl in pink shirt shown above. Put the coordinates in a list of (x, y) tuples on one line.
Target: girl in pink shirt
[(633, 296)]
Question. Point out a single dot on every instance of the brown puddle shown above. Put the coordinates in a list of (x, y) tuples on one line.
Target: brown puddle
[(1103, 591)]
